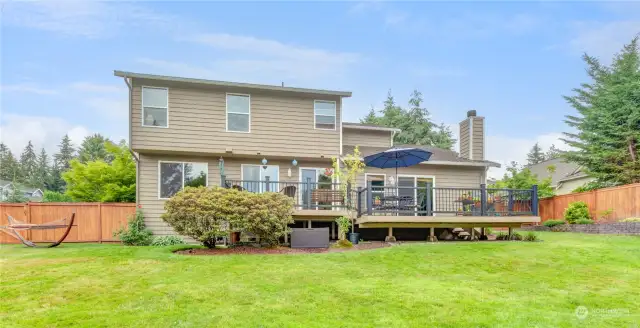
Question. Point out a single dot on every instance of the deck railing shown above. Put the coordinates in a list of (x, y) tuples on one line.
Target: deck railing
[(306, 195), (398, 200)]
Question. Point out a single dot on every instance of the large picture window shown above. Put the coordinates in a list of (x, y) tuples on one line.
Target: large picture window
[(238, 113), (155, 107), (174, 176), (325, 114)]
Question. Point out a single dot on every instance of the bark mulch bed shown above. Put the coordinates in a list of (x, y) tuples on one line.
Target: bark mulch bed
[(279, 250)]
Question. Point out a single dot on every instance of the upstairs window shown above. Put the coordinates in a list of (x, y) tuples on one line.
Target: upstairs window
[(155, 107), (238, 113), (176, 175), (325, 114)]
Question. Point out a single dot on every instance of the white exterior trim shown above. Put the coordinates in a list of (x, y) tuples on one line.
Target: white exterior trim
[(206, 182), (226, 111), (335, 116), (341, 111), (142, 107), (259, 166)]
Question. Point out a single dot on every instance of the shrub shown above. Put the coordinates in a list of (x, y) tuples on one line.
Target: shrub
[(55, 197), (631, 220), (504, 236), (576, 211), (501, 236), (488, 231), (516, 236), (167, 241), (207, 213), (343, 243), (530, 236), (136, 233), (553, 223), (343, 223), (584, 221), (268, 216)]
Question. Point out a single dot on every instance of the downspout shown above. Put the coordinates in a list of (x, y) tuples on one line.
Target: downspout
[(127, 81)]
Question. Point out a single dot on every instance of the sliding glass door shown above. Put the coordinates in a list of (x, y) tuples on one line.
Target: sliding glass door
[(254, 177), (414, 190), (312, 179)]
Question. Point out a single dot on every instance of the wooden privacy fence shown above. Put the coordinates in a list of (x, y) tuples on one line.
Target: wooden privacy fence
[(624, 201), (95, 222)]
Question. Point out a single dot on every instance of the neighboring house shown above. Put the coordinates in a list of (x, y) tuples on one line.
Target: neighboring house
[(566, 176), (32, 194), (190, 132)]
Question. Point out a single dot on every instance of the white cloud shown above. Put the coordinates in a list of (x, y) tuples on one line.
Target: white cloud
[(112, 108), (91, 19), (28, 88), (504, 149), (17, 130), (603, 39)]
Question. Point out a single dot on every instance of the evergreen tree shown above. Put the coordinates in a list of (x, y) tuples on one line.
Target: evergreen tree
[(535, 155), (553, 153), (29, 165), (42, 169), (65, 154), (9, 166), (415, 123), (607, 141), (93, 149)]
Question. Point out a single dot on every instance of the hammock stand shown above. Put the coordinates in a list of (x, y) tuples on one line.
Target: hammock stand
[(15, 226)]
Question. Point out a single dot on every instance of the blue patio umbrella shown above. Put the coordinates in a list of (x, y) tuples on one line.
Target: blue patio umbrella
[(397, 157)]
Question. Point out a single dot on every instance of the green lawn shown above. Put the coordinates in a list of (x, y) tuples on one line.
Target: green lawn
[(482, 284)]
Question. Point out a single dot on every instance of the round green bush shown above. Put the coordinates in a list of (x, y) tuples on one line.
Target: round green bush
[(577, 211), (167, 241)]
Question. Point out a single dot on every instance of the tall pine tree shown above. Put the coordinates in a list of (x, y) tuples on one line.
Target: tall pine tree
[(607, 141), (65, 154), (93, 149), (42, 169), (9, 166), (553, 153), (535, 155), (29, 165)]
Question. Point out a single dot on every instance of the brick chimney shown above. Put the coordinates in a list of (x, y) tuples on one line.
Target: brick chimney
[(472, 137)]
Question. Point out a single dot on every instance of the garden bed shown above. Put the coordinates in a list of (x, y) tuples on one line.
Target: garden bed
[(279, 250), (615, 228)]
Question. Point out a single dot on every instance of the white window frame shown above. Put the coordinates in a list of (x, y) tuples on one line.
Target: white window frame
[(180, 162), (226, 106), (415, 191), (274, 182), (142, 109), (335, 116)]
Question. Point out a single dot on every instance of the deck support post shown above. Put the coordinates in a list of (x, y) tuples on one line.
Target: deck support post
[(390, 238), (309, 224), (333, 230), (473, 233), (432, 235), (510, 232), (482, 232)]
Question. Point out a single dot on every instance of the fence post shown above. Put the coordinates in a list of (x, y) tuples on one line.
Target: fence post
[(100, 223), (483, 199), (266, 179), (369, 199), (534, 200), (308, 193)]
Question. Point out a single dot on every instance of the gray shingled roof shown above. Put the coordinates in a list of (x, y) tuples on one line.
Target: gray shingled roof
[(563, 170), (437, 154)]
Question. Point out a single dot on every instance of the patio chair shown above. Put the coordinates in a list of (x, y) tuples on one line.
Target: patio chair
[(236, 187), (289, 191)]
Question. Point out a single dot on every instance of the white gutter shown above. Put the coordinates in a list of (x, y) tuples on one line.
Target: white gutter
[(127, 81)]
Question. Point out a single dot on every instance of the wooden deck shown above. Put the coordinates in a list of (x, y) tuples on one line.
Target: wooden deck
[(443, 221)]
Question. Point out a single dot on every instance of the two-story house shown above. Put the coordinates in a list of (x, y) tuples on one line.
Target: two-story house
[(194, 132)]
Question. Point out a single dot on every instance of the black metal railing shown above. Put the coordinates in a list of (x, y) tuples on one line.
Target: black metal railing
[(306, 195), (399, 200), (428, 200)]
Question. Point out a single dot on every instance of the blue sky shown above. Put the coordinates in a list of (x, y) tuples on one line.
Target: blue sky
[(512, 62)]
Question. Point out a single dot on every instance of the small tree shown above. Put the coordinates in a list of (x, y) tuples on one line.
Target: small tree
[(516, 178), (136, 233), (577, 211), (347, 173)]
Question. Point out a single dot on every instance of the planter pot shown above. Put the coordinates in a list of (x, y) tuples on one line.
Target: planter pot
[(354, 238)]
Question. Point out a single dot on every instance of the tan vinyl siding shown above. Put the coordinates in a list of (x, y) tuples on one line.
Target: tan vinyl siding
[(478, 137), (446, 176), (148, 185), (281, 124), (464, 139), (353, 137)]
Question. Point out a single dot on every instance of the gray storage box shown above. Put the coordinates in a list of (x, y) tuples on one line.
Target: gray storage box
[(309, 237)]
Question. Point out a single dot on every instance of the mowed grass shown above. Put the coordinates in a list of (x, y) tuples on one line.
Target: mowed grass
[(482, 284)]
